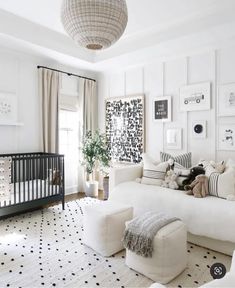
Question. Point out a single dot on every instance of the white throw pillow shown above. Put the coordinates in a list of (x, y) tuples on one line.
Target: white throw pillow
[(153, 173), (222, 185)]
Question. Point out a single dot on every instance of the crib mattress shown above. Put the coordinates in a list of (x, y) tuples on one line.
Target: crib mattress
[(29, 190)]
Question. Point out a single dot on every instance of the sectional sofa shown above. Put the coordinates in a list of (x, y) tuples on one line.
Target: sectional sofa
[(210, 221)]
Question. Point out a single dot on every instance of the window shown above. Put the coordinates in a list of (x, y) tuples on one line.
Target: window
[(69, 146)]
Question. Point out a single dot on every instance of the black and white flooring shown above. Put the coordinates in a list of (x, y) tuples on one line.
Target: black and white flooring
[(44, 249)]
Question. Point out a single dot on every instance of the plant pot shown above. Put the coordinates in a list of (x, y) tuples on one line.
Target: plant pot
[(91, 188), (106, 187)]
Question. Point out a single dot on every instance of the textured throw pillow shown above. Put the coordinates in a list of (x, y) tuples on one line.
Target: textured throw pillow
[(183, 159), (221, 185), (153, 173)]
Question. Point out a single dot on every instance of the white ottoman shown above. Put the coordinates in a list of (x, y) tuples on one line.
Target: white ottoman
[(169, 257), (104, 225)]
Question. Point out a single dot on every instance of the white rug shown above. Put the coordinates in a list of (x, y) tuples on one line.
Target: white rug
[(44, 249)]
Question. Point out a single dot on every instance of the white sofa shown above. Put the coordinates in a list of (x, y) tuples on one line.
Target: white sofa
[(227, 282), (210, 221)]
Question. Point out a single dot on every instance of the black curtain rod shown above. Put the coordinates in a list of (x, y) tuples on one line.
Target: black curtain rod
[(69, 74)]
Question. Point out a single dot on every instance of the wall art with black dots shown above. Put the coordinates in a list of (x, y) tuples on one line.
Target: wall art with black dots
[(125, 128)]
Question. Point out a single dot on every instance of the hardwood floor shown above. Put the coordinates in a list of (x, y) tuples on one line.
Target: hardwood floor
[(81, 195)]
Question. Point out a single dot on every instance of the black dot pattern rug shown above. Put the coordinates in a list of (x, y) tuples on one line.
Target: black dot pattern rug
[(44, 249)]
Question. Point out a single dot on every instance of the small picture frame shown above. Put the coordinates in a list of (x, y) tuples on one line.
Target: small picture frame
[(226, 100), (162, 109), (195, 97), (174, 139), (226, 137), (199, 129)]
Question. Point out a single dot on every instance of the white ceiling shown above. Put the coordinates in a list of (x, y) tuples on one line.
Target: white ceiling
[(151, 22)]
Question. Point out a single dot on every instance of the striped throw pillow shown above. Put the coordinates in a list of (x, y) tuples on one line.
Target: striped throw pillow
[(153, 173), (184, 159), (221, 185)]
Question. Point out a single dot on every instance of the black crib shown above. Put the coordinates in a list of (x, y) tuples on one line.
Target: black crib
[(37, 179)]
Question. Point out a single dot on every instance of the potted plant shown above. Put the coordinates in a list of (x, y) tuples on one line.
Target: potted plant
[(95, 156)]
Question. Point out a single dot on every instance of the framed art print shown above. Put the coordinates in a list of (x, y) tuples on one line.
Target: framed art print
[(226, 100), (174, 139), (195, 97), (226, 137), (162, 109), (125, 128), (8, 107), (199, 129)]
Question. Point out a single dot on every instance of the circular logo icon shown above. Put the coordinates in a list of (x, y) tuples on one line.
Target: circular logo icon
[(218, 270)]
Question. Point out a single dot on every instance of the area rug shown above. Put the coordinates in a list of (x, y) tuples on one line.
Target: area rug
[(44, 249)]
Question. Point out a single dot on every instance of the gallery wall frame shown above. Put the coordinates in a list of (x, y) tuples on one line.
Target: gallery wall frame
[(8, 107), (125, 127), (226, 137), (226, 100), (196, 97), (199, 129), (173, 138), (162, 109)]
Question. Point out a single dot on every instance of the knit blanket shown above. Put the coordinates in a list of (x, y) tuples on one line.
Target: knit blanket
[(140, 232)]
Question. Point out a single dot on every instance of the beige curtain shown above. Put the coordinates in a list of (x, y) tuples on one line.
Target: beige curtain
[(88, 119), (49, 83), (88, 105)]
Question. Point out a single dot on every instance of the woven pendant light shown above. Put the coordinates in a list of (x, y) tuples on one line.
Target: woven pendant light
[(94, 24)]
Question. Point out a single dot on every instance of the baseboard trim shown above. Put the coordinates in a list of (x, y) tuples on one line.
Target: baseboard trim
[(224, 247)]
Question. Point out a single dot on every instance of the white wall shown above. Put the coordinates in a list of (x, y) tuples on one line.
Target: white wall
[(165, 78), (18, 73)]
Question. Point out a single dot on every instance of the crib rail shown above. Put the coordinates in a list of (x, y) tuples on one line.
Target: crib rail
[(35, 178)]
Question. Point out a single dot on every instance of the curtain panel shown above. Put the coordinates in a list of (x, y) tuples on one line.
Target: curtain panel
[(49, 83), (88, 117)]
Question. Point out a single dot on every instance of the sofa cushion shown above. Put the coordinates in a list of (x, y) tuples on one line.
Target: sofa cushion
[(153, 173), (184, 159), (221, 184)]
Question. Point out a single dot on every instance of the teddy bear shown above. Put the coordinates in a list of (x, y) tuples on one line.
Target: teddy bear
[(194, 172), (170, 180), (218, 167), (199, 187)]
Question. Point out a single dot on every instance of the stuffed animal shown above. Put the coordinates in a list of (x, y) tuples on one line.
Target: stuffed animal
[(170, 180), (194, 172), (219, 167), (199, 187)]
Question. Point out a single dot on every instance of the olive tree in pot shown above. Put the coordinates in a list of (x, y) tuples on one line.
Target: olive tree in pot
[(95, 156)]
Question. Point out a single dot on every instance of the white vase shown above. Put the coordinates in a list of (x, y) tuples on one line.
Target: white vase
[(91, 189)]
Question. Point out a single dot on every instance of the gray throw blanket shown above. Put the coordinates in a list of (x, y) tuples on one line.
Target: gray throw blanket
[(140, 232)]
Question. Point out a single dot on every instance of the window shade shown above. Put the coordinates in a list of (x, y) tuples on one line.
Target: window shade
[(68, 102)]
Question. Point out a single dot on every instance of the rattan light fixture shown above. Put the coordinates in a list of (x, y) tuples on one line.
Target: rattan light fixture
[(94, 24)]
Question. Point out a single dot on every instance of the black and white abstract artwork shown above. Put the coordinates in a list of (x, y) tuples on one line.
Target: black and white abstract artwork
[(125, 128)]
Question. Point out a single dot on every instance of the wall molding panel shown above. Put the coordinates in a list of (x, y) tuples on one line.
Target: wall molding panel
[(165, 78)]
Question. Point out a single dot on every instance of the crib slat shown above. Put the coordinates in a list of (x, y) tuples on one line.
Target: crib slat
[(14, 168), (24, 178), (36, 176), (28, 175), (32, 180)]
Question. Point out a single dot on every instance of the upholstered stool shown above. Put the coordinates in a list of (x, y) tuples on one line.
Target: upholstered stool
[(169, 257), (104, 225)]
